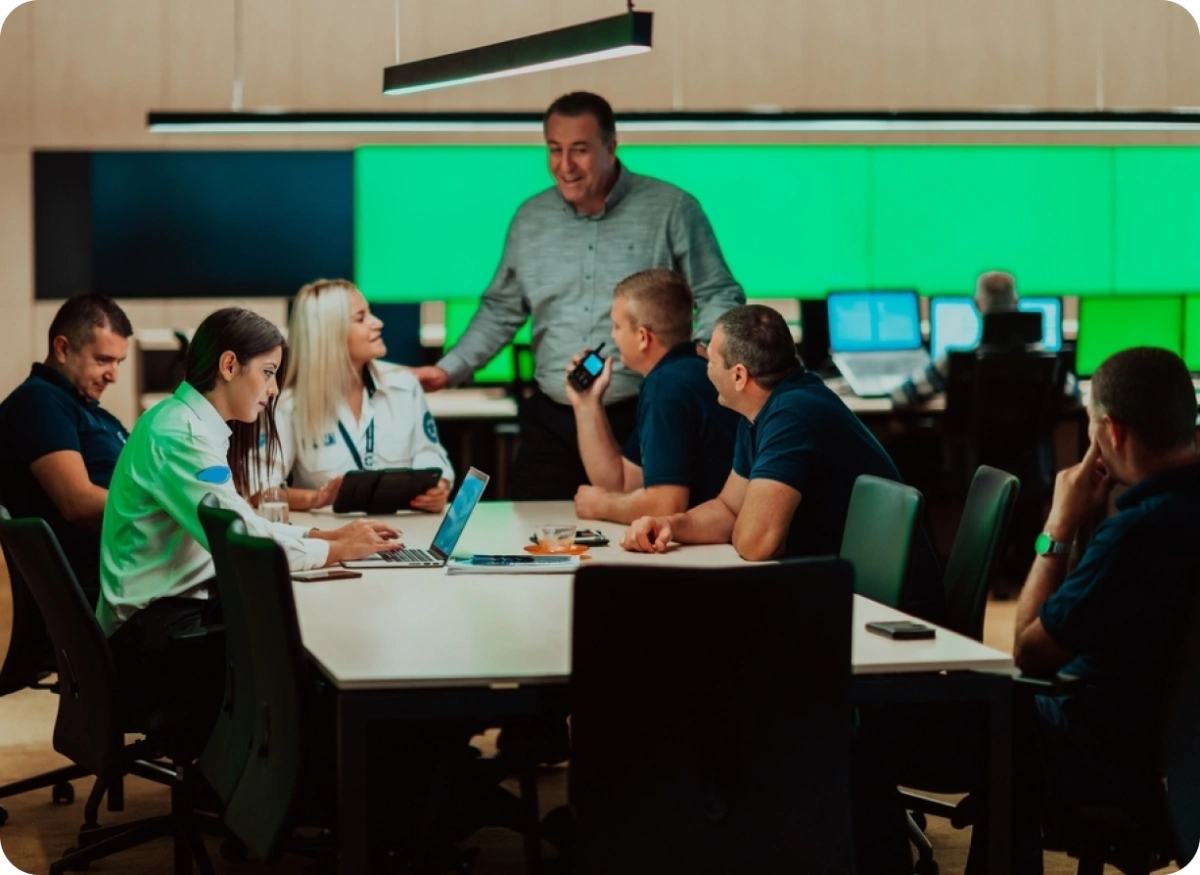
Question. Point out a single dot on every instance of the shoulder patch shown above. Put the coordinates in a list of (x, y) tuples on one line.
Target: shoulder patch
[(215, 474), (430, 427)]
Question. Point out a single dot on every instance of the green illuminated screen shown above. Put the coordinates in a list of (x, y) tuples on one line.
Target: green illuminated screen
[(1108, 325), (500, 369), (1191, 332)]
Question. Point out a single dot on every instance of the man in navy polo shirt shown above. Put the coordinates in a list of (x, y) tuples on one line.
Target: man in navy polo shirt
[(799, 450), (1118, 619), (681, 447), (58, 447)]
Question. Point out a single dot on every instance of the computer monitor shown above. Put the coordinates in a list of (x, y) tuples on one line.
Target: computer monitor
[(1108, 325), (501, 369), (873, 321), (1191, 332), (1051, 310), (954, 323)]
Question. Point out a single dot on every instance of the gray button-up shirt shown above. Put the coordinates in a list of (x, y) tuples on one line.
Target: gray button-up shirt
[(562, 267)]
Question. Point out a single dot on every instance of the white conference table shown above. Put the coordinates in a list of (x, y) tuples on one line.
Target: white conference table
[(410, 641)]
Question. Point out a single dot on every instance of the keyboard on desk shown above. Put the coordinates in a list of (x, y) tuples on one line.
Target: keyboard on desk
[(405, 558)]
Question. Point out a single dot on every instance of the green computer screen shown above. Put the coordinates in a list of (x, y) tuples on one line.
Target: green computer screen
[(1191, 332), (500, 369), (1110, 324)]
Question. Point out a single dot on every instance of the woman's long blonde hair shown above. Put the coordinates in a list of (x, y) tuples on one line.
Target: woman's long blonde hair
[(319, 369)]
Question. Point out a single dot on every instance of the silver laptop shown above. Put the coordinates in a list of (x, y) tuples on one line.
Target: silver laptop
[(875, 339), (447, 535)]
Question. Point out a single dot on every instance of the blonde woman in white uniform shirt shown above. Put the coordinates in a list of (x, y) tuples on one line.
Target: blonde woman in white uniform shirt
[(343, 409), (155, 568)]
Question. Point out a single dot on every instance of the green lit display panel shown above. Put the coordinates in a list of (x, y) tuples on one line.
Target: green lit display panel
[(942, 215), (429, 221), (1157, 214), (499, 369), (1191, 332), (1111, 324), (791, 221)]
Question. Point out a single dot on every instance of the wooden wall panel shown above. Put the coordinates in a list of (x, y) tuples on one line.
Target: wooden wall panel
[(197, 54), (16, 268), (16, 64), (269, 52), (96, 70), (1183, 85), (1135, 53), (1077, 27), (339, 51)]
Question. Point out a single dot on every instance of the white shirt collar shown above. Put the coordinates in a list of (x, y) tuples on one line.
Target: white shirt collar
[(210, 420)]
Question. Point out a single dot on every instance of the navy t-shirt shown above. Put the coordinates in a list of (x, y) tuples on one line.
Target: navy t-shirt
[(806, 438), (1123, 611), (683, 436), (47, 414)]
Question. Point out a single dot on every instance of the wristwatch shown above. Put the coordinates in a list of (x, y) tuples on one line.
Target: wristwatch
[(1047, 546)]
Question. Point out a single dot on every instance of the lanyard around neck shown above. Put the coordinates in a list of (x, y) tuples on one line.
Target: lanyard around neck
[(350, 445)]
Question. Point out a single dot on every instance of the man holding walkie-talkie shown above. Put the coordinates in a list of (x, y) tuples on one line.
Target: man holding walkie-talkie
[(567, 249)]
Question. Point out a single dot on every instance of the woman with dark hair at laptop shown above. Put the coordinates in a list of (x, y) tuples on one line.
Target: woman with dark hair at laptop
[(343, 409), (155, 568)]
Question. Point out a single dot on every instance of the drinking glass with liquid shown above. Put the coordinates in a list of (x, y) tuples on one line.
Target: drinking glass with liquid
[(273, 504)]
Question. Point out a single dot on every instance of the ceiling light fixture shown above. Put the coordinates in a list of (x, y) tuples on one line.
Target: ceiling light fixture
[(615, 37), (833, 122)]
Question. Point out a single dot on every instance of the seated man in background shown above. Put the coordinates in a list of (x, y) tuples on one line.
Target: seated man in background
[(799, 450), (1117, 620), (681, 447), (58, 446)]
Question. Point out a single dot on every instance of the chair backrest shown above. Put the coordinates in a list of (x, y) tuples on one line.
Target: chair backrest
[(1003, 406), (977, 544), (224, 756), (88, 728), (882, 525), (1180, 753), (29, 653), (260, 811), (711, 719)]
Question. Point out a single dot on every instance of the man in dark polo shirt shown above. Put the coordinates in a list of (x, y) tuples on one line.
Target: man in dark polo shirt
[(58, 447), (681, 447), (1117, 620), (799, 450)]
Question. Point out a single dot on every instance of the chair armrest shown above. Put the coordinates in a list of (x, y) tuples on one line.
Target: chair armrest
[(1058, 685)]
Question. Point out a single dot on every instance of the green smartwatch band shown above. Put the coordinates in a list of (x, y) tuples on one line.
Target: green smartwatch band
[(1047, 546)]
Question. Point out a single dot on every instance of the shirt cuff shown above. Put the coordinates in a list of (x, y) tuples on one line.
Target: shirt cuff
[(311, 553), (456, 368)]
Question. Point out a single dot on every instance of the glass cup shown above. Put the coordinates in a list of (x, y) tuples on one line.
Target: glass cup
[(555, 537), (273, 504)]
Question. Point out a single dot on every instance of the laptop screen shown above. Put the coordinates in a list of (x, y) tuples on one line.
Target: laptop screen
[(459, 512), (873, 321), (954, 323)]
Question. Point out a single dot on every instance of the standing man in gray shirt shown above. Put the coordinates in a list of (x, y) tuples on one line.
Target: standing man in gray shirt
[(567, 249)]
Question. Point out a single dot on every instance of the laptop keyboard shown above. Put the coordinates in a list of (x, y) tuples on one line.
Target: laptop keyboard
[(405, 556), (875, 366)]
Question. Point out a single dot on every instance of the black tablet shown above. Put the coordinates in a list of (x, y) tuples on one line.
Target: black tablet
[(384, 491)]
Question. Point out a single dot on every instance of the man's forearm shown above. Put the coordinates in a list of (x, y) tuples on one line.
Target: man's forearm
[(708, 523), (1047, 573), (598, 449), (625, 507)]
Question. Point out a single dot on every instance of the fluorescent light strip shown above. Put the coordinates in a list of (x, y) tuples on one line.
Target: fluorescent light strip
[(618, 52), (259, 125)]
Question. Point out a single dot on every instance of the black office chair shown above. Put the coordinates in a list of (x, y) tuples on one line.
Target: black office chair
[(279, 787), (973, 558), (879, 540), (91, 721), (1001, 410), (711, 719), (28, 661), (223, 759)]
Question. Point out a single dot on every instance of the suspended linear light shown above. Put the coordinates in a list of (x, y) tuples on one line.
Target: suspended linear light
[(833, 122), (615, 37)]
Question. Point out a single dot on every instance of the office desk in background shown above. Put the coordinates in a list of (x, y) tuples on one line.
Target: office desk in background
[(400, 643)]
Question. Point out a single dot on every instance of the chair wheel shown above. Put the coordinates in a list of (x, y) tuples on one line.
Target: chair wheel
[(234, 851), (3, 815), (63, 793), (925, 867)]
